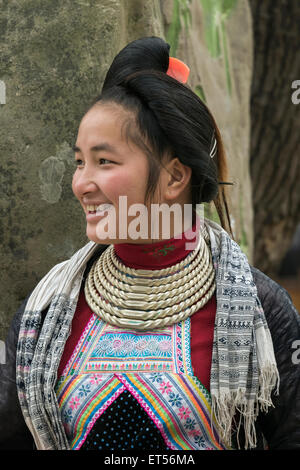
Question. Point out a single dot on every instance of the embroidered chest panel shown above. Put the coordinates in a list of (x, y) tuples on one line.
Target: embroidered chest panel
[(155, 367), (103, 347)]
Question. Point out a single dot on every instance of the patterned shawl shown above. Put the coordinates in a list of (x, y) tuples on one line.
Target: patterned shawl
[(243, 371)]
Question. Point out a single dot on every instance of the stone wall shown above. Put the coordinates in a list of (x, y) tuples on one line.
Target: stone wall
[(53, 58)]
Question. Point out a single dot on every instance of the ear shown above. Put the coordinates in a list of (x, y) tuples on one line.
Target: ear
[(176, 179)]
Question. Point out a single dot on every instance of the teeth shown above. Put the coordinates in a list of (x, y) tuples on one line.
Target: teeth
[(91, 208)]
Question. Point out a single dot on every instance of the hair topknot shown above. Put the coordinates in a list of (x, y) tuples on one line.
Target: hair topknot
[(149, 53)]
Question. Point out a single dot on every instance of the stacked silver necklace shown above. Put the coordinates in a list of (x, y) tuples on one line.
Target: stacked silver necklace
[(149, 299)]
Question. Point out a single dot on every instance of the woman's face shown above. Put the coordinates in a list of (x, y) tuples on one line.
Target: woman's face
[(108, 166)]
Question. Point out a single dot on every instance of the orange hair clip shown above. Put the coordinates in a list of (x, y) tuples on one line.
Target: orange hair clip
[(178, 70)]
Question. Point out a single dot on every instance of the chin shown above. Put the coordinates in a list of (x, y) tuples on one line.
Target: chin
[(92, 236)]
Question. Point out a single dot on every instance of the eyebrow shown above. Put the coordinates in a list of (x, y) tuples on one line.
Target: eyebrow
[(98, 148)]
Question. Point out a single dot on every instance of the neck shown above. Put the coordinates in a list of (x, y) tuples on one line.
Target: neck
[(160, 254)]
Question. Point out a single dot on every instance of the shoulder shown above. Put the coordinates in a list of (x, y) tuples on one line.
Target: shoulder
[(275, 300), (281, 424), (283, 321)]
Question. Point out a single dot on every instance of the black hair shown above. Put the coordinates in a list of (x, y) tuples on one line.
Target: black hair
[(168, 118)]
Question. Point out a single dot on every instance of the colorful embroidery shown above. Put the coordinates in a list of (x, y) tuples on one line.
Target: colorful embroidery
[(182, 414), (155, 367), (111, 349), (83, 399)]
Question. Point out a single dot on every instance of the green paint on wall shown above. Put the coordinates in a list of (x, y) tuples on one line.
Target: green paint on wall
[(181, 16), (215, 14), (200, 92)]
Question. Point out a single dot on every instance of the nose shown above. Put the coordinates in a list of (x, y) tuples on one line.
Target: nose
[(84, 181)]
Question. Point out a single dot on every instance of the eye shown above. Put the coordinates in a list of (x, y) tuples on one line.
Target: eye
[(104, 161), (78, 162)]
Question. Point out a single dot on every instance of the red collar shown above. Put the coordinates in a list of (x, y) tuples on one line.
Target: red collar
[(157, 255)]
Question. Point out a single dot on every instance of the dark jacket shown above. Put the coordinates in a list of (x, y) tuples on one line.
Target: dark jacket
[(280, 427)]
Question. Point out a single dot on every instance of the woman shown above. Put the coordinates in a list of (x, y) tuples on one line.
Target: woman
[(162, 342)]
